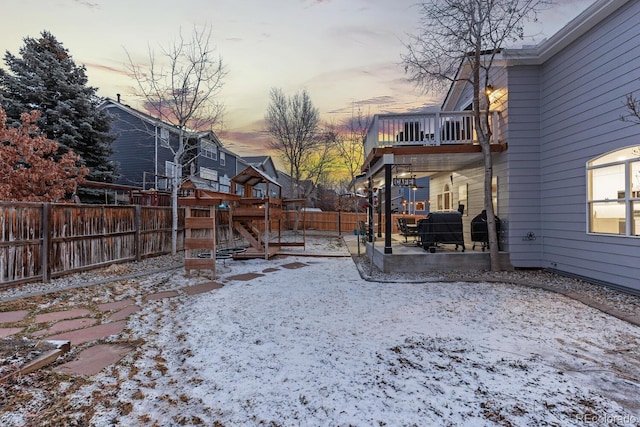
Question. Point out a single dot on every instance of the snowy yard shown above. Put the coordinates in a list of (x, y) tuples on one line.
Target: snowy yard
[(317, 345)]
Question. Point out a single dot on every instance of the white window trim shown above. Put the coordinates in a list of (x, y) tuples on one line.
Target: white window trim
[(628, 198)]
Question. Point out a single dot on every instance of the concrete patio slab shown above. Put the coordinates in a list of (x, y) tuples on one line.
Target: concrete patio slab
[(55, 316), (245, 276), (66, 325), (13, 316), (201, 288), (94, 359), (124, 313), (161, 295), (92, 333), (7, 332), (116, 305)]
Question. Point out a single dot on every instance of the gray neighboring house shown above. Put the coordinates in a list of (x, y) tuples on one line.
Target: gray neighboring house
[(145, 160), (265, 165), (566, 167)]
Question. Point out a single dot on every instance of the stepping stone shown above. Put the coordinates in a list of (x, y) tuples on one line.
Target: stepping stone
[(161, 295), (54, 316), (116, 305), (47, 358), (294, 265), (13, 316), (201, 288), (66, 325), (124, 313), (92, 333), (270, 270), (7, 332), (246, 276), (94, 359)]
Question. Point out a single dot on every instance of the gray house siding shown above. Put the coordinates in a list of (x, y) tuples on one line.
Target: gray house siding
[(583, 89), (134, 148), (522, 168), (138, 136), (473, 179), (225, 171)]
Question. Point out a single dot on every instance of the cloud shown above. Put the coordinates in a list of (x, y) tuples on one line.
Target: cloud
[(246, 143), (106, 68), (87, 3)]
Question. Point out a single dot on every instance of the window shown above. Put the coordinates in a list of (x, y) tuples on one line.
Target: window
[(209, 150), (494, 194), (209, 174), (172, 170), (462, 198), (222, 159), (164, 138), (447, 196), (613, 193)]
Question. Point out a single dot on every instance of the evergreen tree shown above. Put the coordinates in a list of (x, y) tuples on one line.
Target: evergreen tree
[(44, 77)]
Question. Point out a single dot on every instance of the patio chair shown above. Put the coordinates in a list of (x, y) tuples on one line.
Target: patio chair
[(407, 231)]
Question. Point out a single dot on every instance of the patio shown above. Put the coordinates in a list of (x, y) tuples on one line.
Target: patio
[(411, 258)]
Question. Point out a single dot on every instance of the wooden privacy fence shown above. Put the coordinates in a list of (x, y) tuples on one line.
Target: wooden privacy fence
[(347, 222), (40, 241), (339, 222)]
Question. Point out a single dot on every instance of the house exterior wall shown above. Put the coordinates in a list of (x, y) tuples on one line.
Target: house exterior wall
[(134, 148), (473, 179), (582, 95), (521, 165), (225, 171), (135, 151)]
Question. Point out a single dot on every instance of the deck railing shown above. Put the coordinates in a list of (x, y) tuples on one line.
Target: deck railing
[(451, 127)]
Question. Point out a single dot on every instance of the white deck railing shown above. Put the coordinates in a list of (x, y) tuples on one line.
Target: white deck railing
[(451, 127)]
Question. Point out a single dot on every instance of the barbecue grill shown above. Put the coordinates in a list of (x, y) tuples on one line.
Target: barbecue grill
[(440, 227), (480, 230)]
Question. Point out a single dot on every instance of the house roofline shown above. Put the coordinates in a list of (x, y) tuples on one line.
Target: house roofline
[(546, 49), (576, 28), (111, 103)]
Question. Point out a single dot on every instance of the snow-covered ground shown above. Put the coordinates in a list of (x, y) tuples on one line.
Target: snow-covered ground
[(319, 346)]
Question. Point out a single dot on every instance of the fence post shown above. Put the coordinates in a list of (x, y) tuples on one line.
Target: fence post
[(46, 242), (137, 222)]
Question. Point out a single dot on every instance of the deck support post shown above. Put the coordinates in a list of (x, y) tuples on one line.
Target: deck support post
[(387, 208)]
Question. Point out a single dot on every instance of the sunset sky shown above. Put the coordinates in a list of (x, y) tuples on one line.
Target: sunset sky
[(346, 53)]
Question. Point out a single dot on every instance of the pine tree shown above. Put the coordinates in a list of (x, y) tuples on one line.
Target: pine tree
[(30, 167), (45, 78)]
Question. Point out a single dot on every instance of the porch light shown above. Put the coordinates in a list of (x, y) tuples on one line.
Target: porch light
[(488, 90)]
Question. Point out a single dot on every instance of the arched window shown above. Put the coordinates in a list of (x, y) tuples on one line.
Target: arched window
[(447, 197), (613, 193)]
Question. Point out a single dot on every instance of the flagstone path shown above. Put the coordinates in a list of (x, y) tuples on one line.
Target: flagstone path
[(83, 325)]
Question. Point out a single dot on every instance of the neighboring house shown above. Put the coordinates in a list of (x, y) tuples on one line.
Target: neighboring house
[(290, 189), (265, 165), (213, 162), (566, 167), (145, 159)]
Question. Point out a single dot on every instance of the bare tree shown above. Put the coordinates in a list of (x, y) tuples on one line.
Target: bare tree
[(321, 166), (351, 148), (180, 87), (633, 109), (293, 123), (468, 34)]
